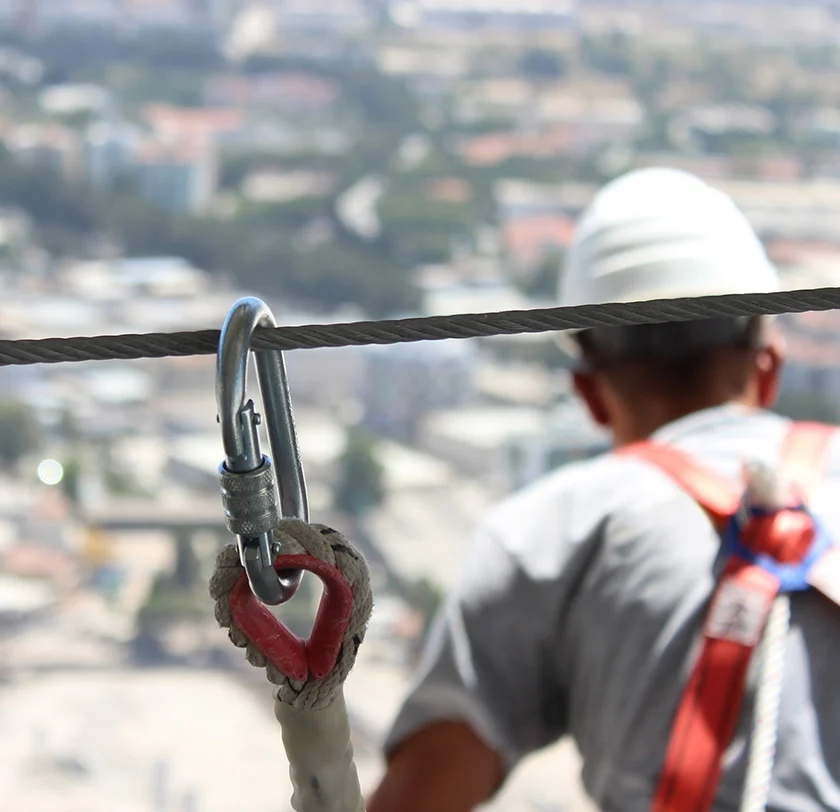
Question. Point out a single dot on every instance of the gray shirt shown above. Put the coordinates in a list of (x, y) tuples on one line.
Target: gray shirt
[(578, 611)]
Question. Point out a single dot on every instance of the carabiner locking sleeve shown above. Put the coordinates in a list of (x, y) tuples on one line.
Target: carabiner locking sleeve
[(252, 498)]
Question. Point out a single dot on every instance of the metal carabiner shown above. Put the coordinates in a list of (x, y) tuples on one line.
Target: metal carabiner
[(252, 498)]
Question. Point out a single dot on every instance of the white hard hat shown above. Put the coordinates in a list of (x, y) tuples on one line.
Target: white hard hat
[(662, 233)]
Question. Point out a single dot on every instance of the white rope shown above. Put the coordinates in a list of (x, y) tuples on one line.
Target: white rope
[(765, 489), (312, 713), (320, 756), (762, 753)]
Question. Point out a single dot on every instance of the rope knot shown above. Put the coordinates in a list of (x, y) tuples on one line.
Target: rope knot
[(308, 675)]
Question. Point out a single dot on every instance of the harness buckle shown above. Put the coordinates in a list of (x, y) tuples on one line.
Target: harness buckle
[(254, 497), (774, 529)]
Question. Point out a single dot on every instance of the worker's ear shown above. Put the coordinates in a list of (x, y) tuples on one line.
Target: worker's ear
[(588, 388), (769, 362)]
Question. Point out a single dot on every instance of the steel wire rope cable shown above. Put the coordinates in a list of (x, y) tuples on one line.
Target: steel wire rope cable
[(21, 352)]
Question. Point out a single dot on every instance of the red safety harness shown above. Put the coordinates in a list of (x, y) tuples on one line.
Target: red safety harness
[(773, 551)]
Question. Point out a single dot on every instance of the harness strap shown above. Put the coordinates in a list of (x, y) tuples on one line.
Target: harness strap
[(804, 455), (717, 496), (708, 713)]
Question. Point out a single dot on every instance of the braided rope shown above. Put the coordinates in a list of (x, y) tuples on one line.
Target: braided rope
[(320, 752), (766, 489), (430, 328), (325, 544), (762, 753)]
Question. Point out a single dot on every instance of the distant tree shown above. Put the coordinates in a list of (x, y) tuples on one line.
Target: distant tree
[(175, 596), (74, 55), (543, 282), (360, 485), (166, 604), (426, 597), (818, 57), (187, 574), (20, 432), (71, 480), (657, 133), (118, 479), (257, 250), (542, 64), (651, 77), (67, 428), (419, 231), (611, 55), (79, 119)]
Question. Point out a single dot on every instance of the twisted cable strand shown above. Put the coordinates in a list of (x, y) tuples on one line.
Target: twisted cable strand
[(429, 328)]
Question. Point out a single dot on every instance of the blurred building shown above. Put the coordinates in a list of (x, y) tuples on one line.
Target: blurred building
[(74, 99), (107, 151), (157, 15), (568, 436), (510, 447), (134, 278), (54, 14), (530, 240), (522, 198), (430, 69), (23, 598), (797, 209), (404, 382), (449, 290), (323, 15), (328, 377), (714, 128), (175, 165), (587, 122), (811, 375), (273, 185), (45, 145), (202, 125), (179, 177), (15, 234), (290, 93), (473, 14)]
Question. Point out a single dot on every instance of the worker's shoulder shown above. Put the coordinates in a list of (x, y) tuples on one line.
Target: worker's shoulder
[(579, 483), (568, 504)]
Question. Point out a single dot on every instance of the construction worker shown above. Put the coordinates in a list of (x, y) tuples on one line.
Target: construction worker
[(580, 607)]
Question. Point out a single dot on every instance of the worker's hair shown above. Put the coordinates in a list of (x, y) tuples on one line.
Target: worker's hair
[(675, 360)]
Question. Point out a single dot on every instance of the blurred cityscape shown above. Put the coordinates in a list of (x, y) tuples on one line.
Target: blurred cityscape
[(342, 159)]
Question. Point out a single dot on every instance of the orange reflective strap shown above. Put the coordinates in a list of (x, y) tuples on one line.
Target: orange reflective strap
[(711, 704)]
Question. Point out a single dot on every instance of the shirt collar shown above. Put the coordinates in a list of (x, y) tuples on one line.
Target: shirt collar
[(700, 420)]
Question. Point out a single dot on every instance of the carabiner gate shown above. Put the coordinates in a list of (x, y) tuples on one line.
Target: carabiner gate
[(253, 500)]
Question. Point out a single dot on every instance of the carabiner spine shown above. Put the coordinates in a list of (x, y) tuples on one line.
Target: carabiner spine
[(281, 433), (254, 499)]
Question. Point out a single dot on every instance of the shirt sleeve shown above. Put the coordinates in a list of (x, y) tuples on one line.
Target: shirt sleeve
[(486, 661)]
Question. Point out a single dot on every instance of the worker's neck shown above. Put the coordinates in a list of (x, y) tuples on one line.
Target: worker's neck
[(647, 417)]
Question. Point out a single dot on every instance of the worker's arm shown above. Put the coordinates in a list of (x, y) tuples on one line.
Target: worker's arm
[(484, 695), (444, 767)]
